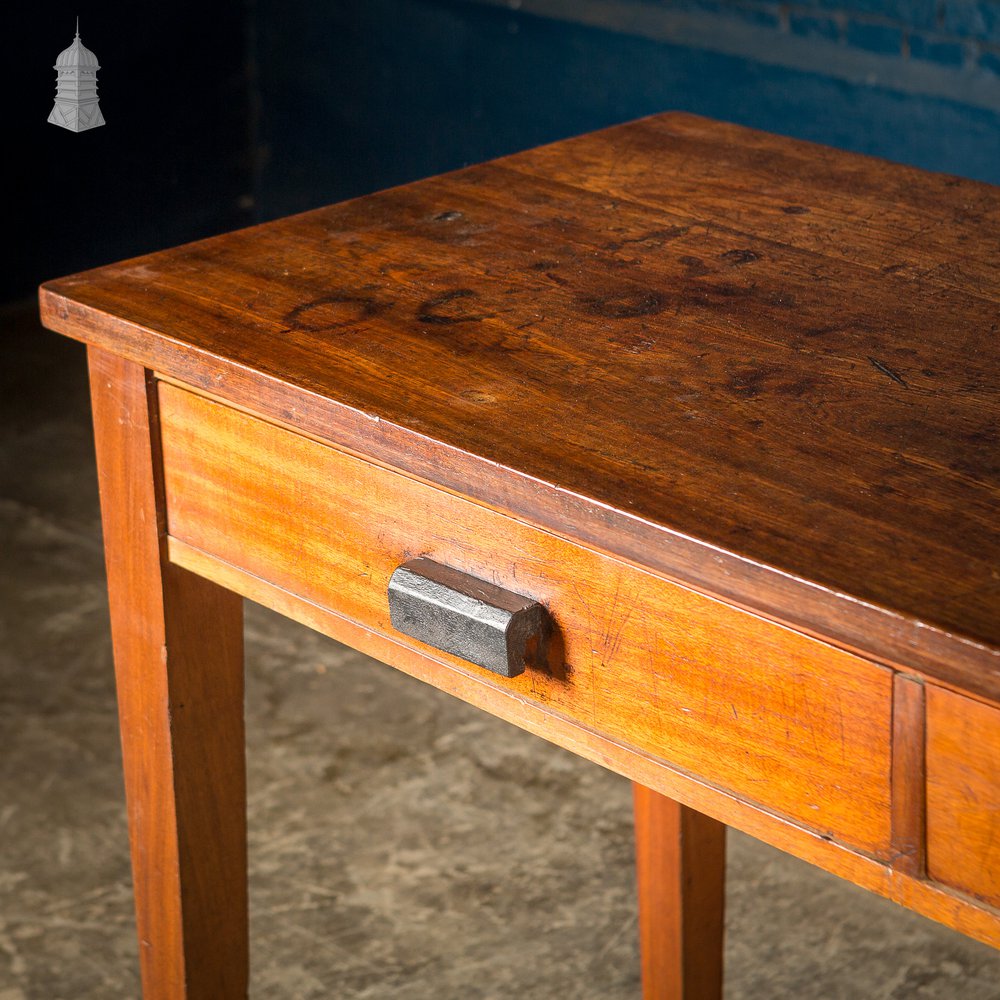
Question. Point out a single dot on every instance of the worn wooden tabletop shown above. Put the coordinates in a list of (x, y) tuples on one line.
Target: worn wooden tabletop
[(763, 367)]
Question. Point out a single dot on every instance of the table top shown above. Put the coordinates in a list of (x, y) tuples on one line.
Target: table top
[(765, 368)]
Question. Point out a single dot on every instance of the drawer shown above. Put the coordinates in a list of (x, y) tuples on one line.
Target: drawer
[(785, 721), (963, 793)]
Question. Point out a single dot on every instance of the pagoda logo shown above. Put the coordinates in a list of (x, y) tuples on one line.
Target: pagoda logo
[(76, 106)]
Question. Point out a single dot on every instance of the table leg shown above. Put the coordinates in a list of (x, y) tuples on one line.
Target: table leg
[(681, 872), (178, 649)]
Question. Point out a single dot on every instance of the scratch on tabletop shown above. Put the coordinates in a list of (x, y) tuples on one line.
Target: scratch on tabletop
[(887, 371)]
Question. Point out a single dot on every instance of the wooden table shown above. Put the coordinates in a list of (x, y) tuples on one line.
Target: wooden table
[(724, 404)]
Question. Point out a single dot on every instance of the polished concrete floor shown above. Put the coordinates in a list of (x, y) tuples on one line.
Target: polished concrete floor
[(403, 844)]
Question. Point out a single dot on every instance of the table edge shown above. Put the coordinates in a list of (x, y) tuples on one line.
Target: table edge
[(877, 633)]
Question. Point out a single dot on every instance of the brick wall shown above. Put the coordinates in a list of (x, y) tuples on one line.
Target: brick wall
[(953, 33), (361, 94), (961, 37)]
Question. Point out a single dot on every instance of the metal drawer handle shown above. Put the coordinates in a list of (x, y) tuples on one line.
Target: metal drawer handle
[(467, 617)]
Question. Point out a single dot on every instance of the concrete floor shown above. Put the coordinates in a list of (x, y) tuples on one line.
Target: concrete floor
[(403, 844)]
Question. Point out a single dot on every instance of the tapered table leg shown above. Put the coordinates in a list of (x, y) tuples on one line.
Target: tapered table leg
[(681, 872), (178, 649)]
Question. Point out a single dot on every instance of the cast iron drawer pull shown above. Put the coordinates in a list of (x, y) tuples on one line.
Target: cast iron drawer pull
[(467, 617)]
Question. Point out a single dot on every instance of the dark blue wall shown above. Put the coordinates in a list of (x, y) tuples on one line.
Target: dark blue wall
[(218, 112), (360, 95)]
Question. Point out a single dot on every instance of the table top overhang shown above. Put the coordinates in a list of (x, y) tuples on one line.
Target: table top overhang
[(765, 368)]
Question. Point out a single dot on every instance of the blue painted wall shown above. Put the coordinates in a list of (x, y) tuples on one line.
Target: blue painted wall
[(258, 108), (360, 95)]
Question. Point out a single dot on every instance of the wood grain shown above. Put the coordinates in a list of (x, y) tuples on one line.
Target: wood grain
[(886, 217), (179, 667), (929, 898), (963, 794), (680, 861), (908, 776), (764, 368), (793, 724)]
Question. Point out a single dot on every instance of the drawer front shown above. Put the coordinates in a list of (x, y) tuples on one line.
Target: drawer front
[(783, 720), (963, 794)]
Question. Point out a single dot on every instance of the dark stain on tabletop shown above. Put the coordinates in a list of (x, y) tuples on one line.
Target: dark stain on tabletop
[(624, 304), (735, 258), (695, 267), (338, 309), (753, 381), (450, 307), (653, 240)]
